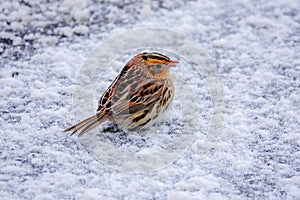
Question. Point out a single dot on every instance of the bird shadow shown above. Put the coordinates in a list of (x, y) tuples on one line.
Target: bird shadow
[(119, 138)]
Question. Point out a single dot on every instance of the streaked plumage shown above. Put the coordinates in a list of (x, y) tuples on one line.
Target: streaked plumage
[(137, 96)]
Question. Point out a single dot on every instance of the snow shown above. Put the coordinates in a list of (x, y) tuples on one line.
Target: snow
[(232, 131)]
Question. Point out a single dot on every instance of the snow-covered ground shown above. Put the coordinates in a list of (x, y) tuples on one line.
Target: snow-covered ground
[(44, 48)]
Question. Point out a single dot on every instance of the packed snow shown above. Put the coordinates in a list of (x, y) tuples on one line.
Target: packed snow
[(232, 132)]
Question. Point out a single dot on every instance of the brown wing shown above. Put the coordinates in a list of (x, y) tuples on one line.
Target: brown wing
[(133, 95), (140, 108), (105, 99), (138, 97)]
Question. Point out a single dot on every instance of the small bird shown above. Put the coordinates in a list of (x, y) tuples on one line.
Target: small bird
[(138, 95)]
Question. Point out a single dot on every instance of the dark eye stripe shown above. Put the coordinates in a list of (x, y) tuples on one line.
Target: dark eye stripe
[(144, 57), (158, 57), (155, 56)]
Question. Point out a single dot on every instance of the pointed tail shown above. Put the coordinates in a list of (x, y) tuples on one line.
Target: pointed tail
[(87, 124)]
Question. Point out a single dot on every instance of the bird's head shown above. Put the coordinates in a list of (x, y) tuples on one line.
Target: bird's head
[(156, 63)]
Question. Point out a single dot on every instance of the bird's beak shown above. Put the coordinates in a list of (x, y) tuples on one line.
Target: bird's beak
[(172, 63)]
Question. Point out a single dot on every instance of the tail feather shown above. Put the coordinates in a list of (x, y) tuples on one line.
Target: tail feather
[(87, 124), (76, 127), (88, 127)]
